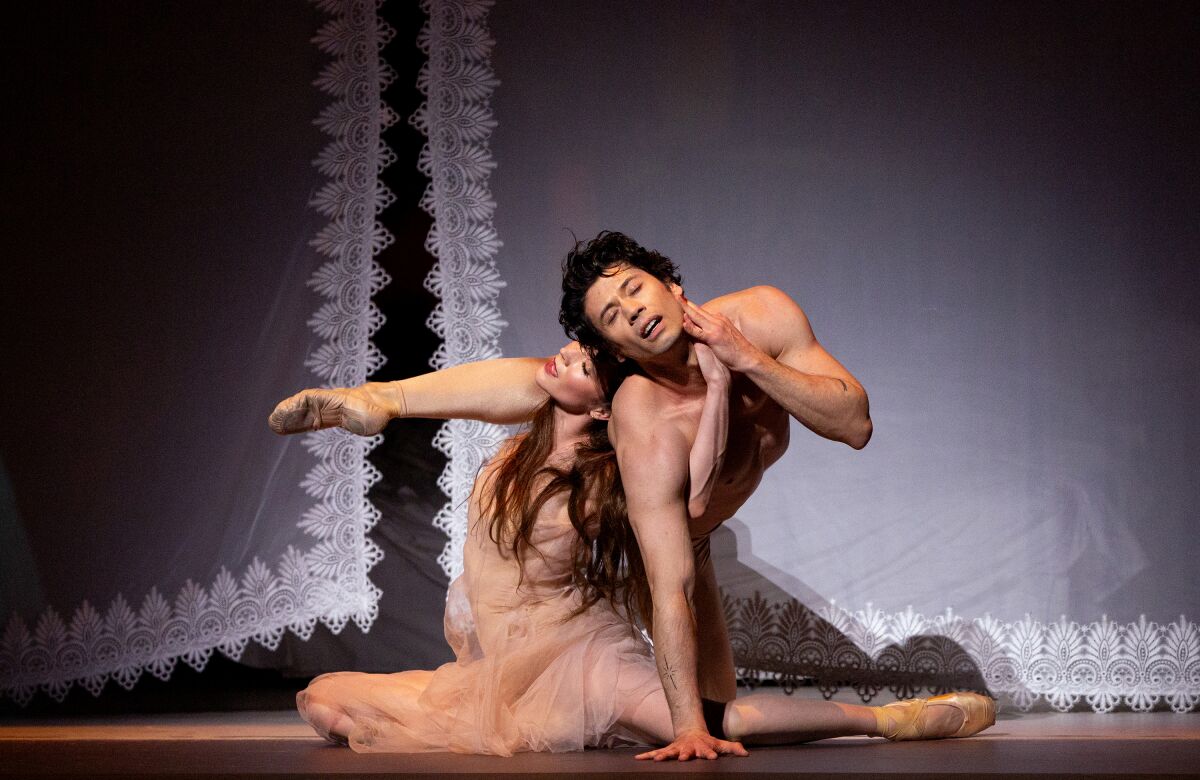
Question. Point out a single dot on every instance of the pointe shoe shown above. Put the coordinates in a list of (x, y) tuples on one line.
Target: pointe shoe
[(902, 720)]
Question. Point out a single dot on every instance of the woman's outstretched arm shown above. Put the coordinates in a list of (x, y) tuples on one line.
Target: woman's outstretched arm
[(708, 450), (500, 391)]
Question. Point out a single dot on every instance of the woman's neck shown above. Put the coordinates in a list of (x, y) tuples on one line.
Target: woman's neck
[(569, 430)]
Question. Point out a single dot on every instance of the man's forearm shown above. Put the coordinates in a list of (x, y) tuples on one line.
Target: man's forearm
[(675, 655), (500, 391), (828, 406)]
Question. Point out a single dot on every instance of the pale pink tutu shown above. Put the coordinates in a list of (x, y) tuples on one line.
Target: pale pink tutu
[(524, 680)]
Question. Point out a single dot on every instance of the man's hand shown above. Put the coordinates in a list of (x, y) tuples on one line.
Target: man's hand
[(351, 408), (720, 334), (698, 744)]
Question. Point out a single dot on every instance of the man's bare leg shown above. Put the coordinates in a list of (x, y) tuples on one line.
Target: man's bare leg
[(775, 719)]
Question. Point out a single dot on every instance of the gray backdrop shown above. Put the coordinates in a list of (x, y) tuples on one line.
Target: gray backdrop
[(987, 213)]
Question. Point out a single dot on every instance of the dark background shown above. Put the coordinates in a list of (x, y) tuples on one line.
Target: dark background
[(49, 53)]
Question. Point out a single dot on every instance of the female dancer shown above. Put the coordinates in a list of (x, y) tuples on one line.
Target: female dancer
[(546, 655)]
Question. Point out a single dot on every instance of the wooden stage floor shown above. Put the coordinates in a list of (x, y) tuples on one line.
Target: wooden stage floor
[(278, 744)]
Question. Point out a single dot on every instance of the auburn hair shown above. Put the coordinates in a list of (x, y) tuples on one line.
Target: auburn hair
[(607, 562)]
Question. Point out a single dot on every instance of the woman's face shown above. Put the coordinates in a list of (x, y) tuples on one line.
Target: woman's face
[(570, 379)]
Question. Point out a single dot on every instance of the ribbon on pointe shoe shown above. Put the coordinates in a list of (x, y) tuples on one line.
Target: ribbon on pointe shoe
[(900, 720)]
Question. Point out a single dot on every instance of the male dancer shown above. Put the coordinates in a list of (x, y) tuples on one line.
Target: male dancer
[(627, 301)]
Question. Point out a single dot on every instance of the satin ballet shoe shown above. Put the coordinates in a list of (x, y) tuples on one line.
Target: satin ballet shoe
[(902, 720)]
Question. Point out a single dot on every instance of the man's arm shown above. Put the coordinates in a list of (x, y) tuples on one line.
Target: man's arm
[(500, 391), (780, 354), (653, 459)]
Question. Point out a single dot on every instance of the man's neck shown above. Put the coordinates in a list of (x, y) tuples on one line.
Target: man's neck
[(677, 370)]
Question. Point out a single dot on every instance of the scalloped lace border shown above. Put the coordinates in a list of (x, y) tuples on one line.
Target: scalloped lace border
[(329, 582)]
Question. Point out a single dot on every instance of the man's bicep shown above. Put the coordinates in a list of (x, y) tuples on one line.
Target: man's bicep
[(793, 342)]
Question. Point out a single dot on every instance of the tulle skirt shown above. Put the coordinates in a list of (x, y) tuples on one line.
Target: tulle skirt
[(523, 680)]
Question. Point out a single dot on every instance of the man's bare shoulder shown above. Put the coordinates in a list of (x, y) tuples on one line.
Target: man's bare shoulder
[(637, 413), (757, 300), (636, 396), (762, 313)]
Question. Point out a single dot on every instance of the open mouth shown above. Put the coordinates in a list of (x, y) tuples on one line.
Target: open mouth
[(551, 367), (651, 327)]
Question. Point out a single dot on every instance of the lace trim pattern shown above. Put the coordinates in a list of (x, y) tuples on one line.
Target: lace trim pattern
[(457, 82), (1103, 663), (329, 582)]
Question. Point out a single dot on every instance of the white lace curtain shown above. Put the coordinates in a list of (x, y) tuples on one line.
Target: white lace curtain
[(211, 251)]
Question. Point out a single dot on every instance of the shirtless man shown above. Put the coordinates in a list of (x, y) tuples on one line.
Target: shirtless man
[(624, 300), (621, 299)]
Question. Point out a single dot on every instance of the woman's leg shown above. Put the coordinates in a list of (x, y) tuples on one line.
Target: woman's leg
[(325, 718), (650, 718), (329, 699)]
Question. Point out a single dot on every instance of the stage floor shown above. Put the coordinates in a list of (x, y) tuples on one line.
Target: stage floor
[(278, 744)]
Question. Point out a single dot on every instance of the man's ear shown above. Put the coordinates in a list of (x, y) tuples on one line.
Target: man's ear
[(674, 288), (601, 413)]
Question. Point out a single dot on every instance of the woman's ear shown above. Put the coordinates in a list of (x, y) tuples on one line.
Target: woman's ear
[(601, 413)]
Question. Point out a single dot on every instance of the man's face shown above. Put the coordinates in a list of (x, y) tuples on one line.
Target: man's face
[(635, 312)]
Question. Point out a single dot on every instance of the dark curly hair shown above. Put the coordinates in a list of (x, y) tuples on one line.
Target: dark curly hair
[(586, 263)]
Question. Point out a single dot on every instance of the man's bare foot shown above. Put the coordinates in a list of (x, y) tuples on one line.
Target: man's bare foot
[(316, 409)]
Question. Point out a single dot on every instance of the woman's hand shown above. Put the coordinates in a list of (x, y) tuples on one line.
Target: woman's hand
[(716, 373), (712, 433), (351, 408)]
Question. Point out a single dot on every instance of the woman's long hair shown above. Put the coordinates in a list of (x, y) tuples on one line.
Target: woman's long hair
[(607, 563)]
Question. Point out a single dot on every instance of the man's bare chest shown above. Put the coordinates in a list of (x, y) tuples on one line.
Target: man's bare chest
[(758, 436)]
